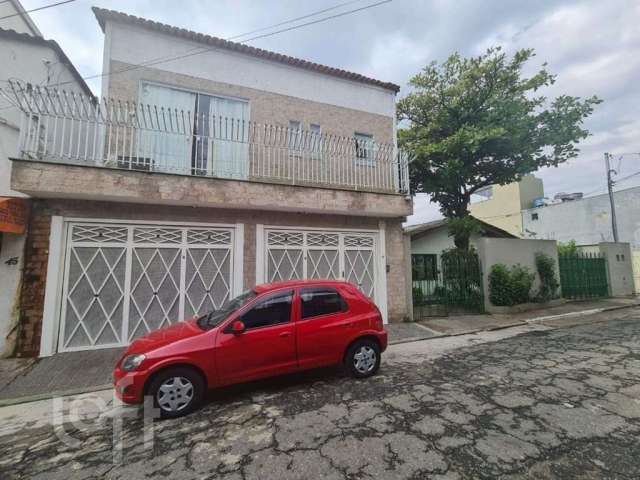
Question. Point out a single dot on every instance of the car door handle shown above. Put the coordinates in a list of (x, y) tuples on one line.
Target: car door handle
[(285, 334)]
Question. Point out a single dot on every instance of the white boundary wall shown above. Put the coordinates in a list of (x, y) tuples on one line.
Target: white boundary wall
[(513, 251)]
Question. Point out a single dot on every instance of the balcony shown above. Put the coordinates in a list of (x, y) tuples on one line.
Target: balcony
[(116, 137)]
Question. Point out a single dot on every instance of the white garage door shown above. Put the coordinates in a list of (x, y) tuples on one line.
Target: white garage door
[(122, 281), (297, 254)]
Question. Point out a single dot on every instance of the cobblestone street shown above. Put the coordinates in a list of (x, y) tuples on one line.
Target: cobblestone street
[(561, 403)]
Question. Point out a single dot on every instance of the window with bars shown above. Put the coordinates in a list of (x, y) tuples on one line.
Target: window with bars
[(315, 141), (364, 149), (295, 134), (424, 266)]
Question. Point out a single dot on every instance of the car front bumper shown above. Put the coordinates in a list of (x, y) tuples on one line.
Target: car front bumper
[(129, 386)]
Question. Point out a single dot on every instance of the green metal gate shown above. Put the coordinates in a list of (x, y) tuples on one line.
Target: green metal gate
[(583, 275), (457, 285)]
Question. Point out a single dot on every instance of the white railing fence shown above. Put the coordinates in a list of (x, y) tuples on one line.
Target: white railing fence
[(67, 127)]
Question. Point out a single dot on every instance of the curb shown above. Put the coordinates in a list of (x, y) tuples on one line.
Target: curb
[(59, 393), (592, 311)]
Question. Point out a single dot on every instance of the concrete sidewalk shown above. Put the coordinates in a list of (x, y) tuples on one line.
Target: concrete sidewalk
[(60, 374), (463, 324)]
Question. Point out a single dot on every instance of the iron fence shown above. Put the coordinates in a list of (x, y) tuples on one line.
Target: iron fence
[(452, 279), (66, 127)]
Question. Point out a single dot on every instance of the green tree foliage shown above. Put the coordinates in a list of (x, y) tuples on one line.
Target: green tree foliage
[(567, 248), (474, 122)]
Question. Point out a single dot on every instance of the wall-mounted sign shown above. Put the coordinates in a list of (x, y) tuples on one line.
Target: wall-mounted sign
[(14, 214)]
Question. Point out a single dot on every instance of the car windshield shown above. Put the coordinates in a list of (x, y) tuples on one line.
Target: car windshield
[(215, 318)]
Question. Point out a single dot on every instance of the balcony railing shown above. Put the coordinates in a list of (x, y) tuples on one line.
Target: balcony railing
[(65, 127)]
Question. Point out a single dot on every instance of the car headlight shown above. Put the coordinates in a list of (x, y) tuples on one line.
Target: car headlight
[(131, 362)]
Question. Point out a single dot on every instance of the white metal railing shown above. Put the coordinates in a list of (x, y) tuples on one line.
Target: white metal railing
[(66, 127)]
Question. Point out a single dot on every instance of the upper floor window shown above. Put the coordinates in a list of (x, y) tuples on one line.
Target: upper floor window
[(315, 140), (364, 149), (295, 134), (185, 130)]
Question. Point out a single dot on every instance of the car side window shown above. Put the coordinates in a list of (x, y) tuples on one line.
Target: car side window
[(321, 301), (270, 311)]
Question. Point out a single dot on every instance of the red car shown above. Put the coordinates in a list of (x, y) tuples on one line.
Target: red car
[(271, 330)]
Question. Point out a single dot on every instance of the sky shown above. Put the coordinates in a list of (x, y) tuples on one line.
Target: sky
[(593, 46)]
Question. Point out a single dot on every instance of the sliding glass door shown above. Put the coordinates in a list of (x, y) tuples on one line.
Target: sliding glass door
[(169, 142), (197, 133)]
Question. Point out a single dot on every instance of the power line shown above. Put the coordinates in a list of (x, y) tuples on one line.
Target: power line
[(199, 50), (324, 19), (44, 7), (618, 180), (293, 20)]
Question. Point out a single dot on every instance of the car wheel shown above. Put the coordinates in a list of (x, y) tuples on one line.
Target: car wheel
[(176, 391), (362, 359)]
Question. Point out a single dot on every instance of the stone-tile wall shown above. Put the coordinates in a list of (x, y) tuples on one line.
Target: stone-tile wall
[(33, 283)]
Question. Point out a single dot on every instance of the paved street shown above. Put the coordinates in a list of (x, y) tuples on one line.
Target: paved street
[(529, 402)]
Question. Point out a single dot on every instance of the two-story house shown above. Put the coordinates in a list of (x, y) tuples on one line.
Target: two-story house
[(26, 55), (211, 166)]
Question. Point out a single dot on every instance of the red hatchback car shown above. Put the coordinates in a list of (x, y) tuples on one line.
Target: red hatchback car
[(271, 330)]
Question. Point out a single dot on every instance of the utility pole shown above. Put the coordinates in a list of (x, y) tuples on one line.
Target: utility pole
[(614, 223)]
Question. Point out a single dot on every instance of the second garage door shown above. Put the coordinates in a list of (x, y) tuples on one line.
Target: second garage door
[(292, 254)]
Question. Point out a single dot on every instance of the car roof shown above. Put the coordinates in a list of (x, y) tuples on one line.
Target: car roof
[(267, 287)]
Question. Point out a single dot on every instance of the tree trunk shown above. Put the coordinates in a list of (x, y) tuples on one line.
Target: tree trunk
[(461, 240)]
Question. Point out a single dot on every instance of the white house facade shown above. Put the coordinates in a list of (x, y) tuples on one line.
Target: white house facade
[(221, 167)]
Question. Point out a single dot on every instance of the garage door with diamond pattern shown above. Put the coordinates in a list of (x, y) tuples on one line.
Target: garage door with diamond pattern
[(123, 281), (298, 254)]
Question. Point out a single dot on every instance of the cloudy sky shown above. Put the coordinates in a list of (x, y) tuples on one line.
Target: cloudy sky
[(593, 46)]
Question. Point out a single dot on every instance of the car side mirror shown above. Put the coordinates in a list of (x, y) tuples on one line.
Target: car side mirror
[(238, 327)]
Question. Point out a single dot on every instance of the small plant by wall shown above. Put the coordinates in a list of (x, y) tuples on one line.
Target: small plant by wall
[(509, 286), (567, 248), (549, 284)]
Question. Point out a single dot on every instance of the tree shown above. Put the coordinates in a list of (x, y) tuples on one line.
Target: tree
[(475, 122)]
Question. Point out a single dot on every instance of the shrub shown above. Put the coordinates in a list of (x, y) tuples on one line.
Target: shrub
[(568, 248), (547, 272), (509, 285)]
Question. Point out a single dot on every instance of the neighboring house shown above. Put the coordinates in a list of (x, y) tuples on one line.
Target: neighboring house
[(24, 54), (588, 222), (429, 240), (14, 17), (206, 175), (500, 205)]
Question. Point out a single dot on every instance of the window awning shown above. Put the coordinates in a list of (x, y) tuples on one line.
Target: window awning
[(14, 214)]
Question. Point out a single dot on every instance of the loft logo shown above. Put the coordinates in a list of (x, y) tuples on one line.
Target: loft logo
[(101, 420)]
